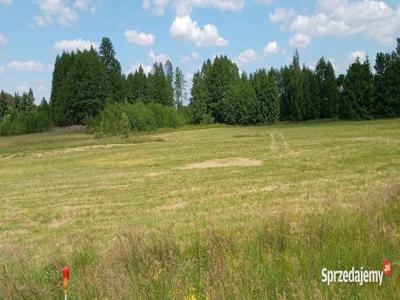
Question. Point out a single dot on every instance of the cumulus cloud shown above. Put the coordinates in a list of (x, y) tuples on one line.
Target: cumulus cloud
[(282, 15), (26, 66), (185, 29), (139, 38), (85, 5), (272, 48), (62, 11), (3, 40), (184, 7), (299, 40), (73, 45), (359, 54), (157, 58), (247, 56), (371, 18), (6, 2)]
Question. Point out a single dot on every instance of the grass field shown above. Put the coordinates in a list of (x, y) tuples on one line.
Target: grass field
[(214, 212)]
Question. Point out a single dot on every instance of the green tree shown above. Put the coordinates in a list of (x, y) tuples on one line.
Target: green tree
[(238, 104), (179, 88), (198, 103), (387, 88), (79, 87), (115, 86), (358, 92), (63, 89), (266, 107), (138, 86), (219, 77), (327, 89), (310, 93), (90, 86), (292, 98), (160, 89)]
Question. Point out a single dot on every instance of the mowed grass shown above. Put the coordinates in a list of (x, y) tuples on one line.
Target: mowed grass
[(217, 212)]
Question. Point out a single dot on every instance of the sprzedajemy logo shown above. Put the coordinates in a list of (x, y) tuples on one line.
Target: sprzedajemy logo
[(358, 276)]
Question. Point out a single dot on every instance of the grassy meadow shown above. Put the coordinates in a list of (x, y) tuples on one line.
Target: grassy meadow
[(215, 212)]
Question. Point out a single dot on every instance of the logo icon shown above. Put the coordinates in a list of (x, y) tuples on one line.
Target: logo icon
[(387, 268)]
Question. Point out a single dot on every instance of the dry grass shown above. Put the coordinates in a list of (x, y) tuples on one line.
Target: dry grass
[(223, 163)]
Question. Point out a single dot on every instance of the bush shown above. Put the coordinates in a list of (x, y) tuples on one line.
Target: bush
[(119, 118), (25, 122)]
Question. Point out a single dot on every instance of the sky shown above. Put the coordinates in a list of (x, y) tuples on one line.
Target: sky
[(254, 33)]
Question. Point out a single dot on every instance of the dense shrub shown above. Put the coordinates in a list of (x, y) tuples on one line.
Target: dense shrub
[(119, 118), (25, 122)]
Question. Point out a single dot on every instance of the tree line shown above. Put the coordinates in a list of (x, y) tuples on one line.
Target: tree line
[(86, 82), (19, 114), (296, 93)]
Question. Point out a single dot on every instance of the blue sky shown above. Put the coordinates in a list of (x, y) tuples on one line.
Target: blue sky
[(255, 33)]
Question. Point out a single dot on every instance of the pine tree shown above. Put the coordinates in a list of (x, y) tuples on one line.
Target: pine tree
[(327, 89), (63, 89), (198, 103), (138, 86), (29, 104), (358, 92), (310, 93), (266, 108), (115, 86), (90, 86), (160, 90), (238, 103), (292, 98), (219, 77)]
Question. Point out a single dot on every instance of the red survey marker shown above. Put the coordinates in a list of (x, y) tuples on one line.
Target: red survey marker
[(65, 278)]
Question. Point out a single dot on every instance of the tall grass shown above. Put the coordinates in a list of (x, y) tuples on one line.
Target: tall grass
[(281, 258)]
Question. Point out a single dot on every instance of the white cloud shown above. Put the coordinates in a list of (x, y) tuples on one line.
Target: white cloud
[(158, 57), (187, 58), (62, 11), (154, 58), (185, 29), (73, 45), (146, 68), (265, 2), (26, 66), (139, 38), (272, 48), (282, 15), (184, 7), (6, 2), (340, 18), (2, 69), (247, 56), (85, 5), (3, 40), (299, 40), (360, 54)]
